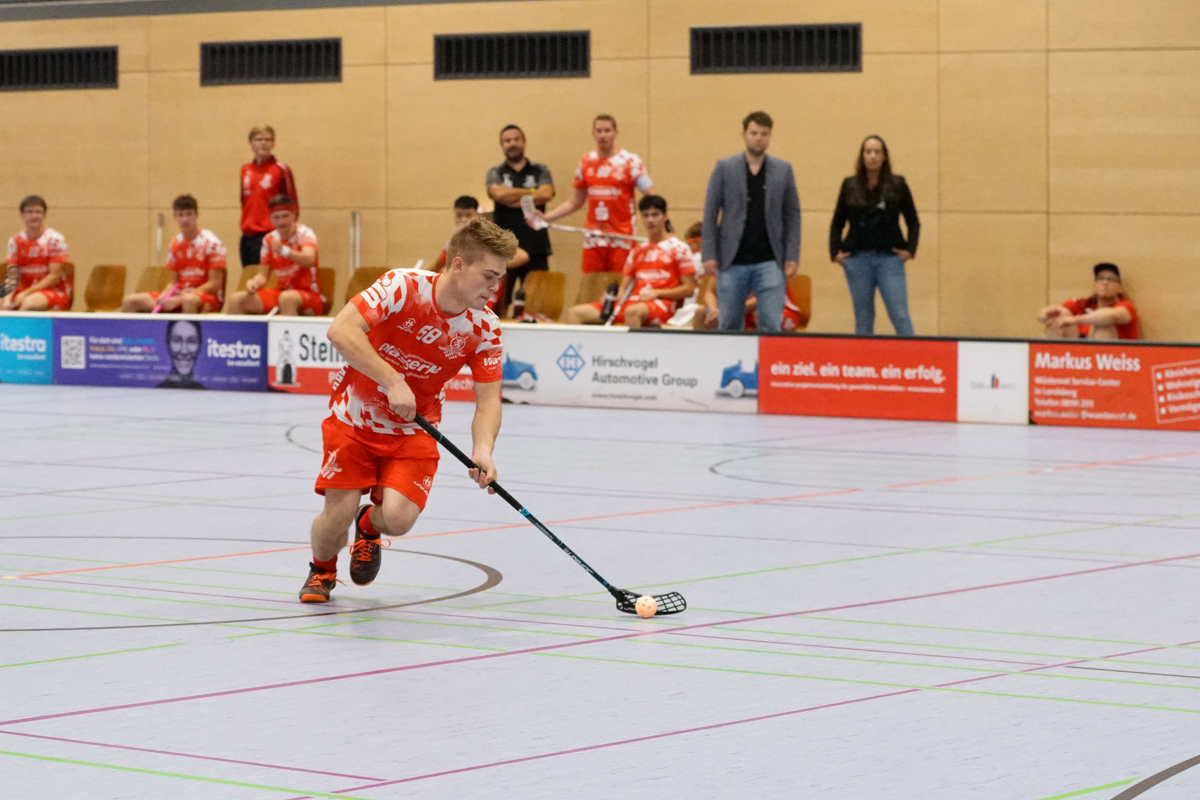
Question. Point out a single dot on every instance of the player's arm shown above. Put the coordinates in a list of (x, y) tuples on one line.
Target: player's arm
[(306, 256), (216, 278), (508, 195), (569, 207), (12, 279), (1104, 317), (687, 285), (53, 277), (1050, 312), (262, 272), (348, 335), (484, 428)]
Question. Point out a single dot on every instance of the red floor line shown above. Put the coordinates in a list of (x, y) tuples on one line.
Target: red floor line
[(188, 755), (598, 640), (1135, 460)]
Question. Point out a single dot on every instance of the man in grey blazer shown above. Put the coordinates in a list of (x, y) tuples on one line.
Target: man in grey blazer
[(756, 244)]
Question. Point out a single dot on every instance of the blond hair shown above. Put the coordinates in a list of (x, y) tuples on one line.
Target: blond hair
[(260, 129), (478, 238)]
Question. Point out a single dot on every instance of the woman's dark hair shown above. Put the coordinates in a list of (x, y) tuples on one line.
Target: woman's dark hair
[(886, 187), (650, 201)]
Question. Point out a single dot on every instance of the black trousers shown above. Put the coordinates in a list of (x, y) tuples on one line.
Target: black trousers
[(251, 248), (517, 274)]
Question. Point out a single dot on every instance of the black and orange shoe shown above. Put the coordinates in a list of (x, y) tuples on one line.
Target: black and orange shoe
[(365, 554), (318, 586)]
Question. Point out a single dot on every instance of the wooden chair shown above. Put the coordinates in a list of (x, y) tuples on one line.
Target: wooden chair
[(699, 321), (362, 278), (800, 288), (105, 288), (153, 279), (545, 293), (272, 282), (593, 284), (327, 277)]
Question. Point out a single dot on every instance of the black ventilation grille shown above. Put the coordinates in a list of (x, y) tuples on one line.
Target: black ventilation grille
[(778, 48), (279, 61), (67, 68), (542, 54)]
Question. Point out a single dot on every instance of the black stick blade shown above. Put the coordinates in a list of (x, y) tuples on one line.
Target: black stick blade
[(669, 603)]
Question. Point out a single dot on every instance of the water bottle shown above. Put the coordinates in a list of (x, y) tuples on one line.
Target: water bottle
[(610, 300), (518, 304)]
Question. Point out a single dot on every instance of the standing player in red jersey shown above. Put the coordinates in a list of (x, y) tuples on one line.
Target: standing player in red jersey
[(662, 272), (36, 257), (262, 179), (402, 339), (290, 251), (606, 179), (197, 258)]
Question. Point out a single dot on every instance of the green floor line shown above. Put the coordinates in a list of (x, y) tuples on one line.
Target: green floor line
[(91, 655), (883, 684), (1080, 792), (181, 776)]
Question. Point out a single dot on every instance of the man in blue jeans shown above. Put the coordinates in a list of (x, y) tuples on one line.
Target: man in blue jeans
[(753, 212)]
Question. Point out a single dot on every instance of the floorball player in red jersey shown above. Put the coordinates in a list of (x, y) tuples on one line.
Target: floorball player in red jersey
[(402, 339)]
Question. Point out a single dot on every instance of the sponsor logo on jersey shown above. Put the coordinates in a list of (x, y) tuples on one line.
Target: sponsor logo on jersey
[(456, 348), (424, 484), (413, 365)]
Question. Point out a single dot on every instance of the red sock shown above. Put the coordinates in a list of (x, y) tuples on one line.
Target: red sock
[(325, 566), (366, 526)]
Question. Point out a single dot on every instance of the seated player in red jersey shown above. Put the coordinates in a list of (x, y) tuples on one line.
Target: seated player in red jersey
[(197, 258), (290, 251), (662, 272), (1107, 314), (707, 316), (402, 339), (36, 256), (466, 208)]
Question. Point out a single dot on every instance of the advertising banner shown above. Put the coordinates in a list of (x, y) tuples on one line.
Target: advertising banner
[(299, 356), (26, 350), (993, 382), (166, 352), (881, 378), (1115, 386), (612, 368)]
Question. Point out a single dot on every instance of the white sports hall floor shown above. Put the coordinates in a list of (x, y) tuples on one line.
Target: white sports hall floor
[(877, 610)]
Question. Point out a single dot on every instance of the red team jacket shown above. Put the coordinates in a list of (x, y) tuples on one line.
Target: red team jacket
[(261, 182)]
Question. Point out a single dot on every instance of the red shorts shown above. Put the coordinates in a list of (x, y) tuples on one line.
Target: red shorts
[(311, 303), (56, 299), (791, 320), (368, 461), (660, 311), (604, 259), (209, 303)]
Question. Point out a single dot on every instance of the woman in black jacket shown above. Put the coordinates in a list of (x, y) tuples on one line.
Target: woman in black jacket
[(873, 251)]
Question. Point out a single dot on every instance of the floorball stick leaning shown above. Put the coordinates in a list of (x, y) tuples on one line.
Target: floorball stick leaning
[(537, 223), (669, 603), (620, 304), (164, 297)]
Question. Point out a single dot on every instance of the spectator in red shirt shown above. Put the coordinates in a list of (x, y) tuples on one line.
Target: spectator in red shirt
[(197, 259), (37, 259), (262, 179), (290, 251), (1107, 314)]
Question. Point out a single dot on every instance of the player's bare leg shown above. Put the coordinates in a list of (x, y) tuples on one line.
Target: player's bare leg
[(245, 303), (189, 303), (138, 303), (584, 314), (395, 516), (289, 303), (636, 314), (328, 539), (34, 301)]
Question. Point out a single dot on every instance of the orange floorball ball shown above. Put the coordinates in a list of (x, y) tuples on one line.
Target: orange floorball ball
[(646, 606)]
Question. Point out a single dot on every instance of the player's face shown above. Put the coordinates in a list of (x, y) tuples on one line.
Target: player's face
[(872, 154), (284, 221), (481, 279), (654, 221), (513, 145), (262, 145), (1108, 285), (184, 346), (757, 137), (464, 215), (186, 219), (605, 134), (34, 217)]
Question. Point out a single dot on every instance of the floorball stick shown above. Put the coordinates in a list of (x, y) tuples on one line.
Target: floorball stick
[(538, 223), (620, 304), (164, 297), (669, 603)]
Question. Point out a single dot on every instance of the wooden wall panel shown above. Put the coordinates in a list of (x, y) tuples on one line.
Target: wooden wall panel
[(993, 275), (992, 131), (100, 236), (129, 34), (1113, 24), (991, 25)]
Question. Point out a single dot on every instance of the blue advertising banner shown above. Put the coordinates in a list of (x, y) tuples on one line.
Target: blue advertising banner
[(179, 353), (26, 350)]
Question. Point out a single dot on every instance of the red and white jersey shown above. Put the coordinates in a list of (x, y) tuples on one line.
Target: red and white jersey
[(261, 182), (191, 259), (291, 275), (411, 333), (34, 256), (659, 265), (610, 183)]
